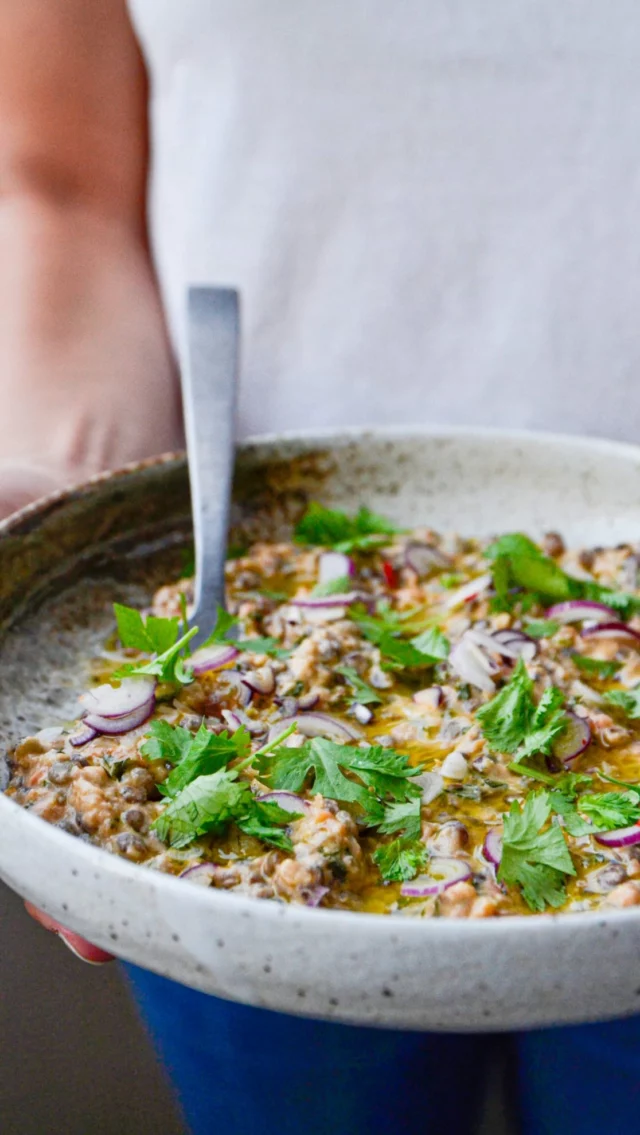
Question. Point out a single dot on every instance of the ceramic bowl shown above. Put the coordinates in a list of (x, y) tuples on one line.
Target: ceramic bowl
[(62, 563)]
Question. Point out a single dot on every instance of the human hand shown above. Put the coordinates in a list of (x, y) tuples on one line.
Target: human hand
[(78, 946)]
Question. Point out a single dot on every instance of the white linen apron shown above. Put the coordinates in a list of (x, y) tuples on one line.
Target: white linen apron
[(431, 207)]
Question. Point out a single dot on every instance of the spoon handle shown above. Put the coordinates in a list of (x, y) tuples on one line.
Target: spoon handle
[(209, 385)]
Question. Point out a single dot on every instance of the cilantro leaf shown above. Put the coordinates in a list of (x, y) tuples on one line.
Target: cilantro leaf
[(330, 528), (521, 563), (627, 700), (151, 635), (332, 587), (512, 723), (611, 810), (192, 756), (404, 817), (597, 666), (517, 561), (167, 667), (432, 644), (400, 860), (205, 805), (266, 821), (384, 629), (223, 625), (541, 628), (363, 694), (535, 860), (625, 604), (380, 772)]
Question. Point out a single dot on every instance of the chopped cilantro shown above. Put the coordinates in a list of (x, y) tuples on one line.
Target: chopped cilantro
[(210, 802), (404, 817), (168, 667), (626, 700), (400, 860), (610, 810), (381, 773), (518, 562), (597, 666), (332, 587), (534, 859), (151, 635), (363, 694), (222, 628), (513, 723), (384, 630), (451, 579), (541, 628), (205, 805), (192, 755), (330, 528)]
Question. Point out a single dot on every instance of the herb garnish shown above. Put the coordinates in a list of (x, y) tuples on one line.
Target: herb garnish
[(598, 666), (362, 694), (627, 700), (513, 723), (332, 587), (154, 636), (192, 755), (541, 628), (381, 773), (536, 860), (384, 630), (330, 528), (400, 860), (519, 563)]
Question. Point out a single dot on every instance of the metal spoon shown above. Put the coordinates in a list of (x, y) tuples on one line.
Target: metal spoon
[(209, 386)]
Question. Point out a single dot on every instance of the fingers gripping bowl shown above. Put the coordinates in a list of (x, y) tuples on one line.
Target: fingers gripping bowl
[(432, 972)]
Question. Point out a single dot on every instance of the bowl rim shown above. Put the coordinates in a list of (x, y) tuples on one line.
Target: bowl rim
[(208, 899)]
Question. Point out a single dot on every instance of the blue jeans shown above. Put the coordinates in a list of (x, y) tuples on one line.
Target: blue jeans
[(242, 1071)]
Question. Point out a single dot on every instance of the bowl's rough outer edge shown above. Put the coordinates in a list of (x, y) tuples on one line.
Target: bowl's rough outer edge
[(436, 974)]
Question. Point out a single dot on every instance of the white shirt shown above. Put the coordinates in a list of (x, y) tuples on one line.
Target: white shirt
[(431, 207)]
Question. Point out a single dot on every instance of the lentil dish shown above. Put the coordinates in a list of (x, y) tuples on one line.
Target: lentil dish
[(386, 721)]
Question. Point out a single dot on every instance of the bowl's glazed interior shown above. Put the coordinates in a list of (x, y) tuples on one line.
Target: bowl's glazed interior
[(64, 561)]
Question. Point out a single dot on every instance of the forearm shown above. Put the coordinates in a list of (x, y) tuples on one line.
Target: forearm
[(86, 376)]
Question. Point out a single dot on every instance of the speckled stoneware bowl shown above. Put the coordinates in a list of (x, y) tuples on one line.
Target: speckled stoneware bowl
[(63, 562)]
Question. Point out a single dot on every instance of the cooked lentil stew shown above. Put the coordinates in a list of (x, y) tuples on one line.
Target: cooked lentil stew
[(385, 721)]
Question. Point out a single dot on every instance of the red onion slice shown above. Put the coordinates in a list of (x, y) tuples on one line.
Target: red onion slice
[(203, 874), (313, 896), (471, 664), (492, 847), (116, 725), (119, 701), (317, 725), (515, 644), (615, 630), (470, 591), (574, 610), (425, 559), (319, 603), (430, 698), (260, 681), (623, 837), (573, 740), (288, 801), (334, 565), (443, 873), (212, 657), (236, 679), (237, 717), (82, 736)]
